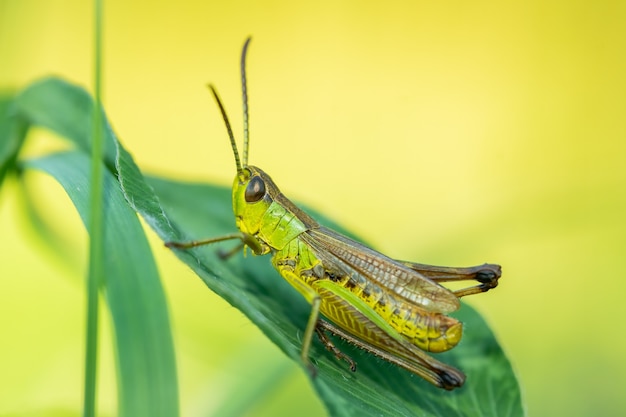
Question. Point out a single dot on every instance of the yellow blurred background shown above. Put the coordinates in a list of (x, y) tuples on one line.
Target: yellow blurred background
[(446, 133)]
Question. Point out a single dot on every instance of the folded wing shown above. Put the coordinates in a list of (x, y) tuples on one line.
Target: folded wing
[(351, 258)]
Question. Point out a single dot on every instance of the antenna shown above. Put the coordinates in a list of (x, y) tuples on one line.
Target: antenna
[(230, 131), (244, 93)]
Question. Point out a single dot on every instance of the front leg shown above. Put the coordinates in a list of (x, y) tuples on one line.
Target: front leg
[(246, 239)]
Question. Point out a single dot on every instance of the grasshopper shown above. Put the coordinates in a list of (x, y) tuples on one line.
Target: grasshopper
[(394, 309)]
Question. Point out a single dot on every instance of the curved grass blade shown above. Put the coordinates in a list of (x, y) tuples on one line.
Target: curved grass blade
[(65, 109), (147, 383)]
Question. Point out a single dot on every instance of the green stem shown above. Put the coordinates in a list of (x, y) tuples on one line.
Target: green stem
[(94, 278)]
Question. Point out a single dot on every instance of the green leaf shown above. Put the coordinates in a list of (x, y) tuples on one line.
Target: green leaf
[(66, 110), (12, 134), (253, 286), (145, 353)]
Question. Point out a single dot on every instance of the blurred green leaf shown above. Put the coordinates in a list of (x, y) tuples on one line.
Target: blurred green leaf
[(12, 134)]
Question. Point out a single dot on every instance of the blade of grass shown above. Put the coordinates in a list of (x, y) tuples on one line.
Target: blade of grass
[(95, 275)]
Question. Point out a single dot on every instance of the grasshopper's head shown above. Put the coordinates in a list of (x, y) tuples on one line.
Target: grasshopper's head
[(253, 193)]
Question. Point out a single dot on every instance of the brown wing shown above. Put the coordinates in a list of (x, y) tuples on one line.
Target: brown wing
[(360, 262)]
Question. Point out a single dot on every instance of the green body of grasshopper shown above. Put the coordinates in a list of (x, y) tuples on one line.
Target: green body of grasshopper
[(394, 309)]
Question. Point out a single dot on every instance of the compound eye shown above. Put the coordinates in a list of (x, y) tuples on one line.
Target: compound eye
[(255, 190)]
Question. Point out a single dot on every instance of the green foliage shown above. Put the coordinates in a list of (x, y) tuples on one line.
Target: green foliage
[(145, 355), (180, 211)]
